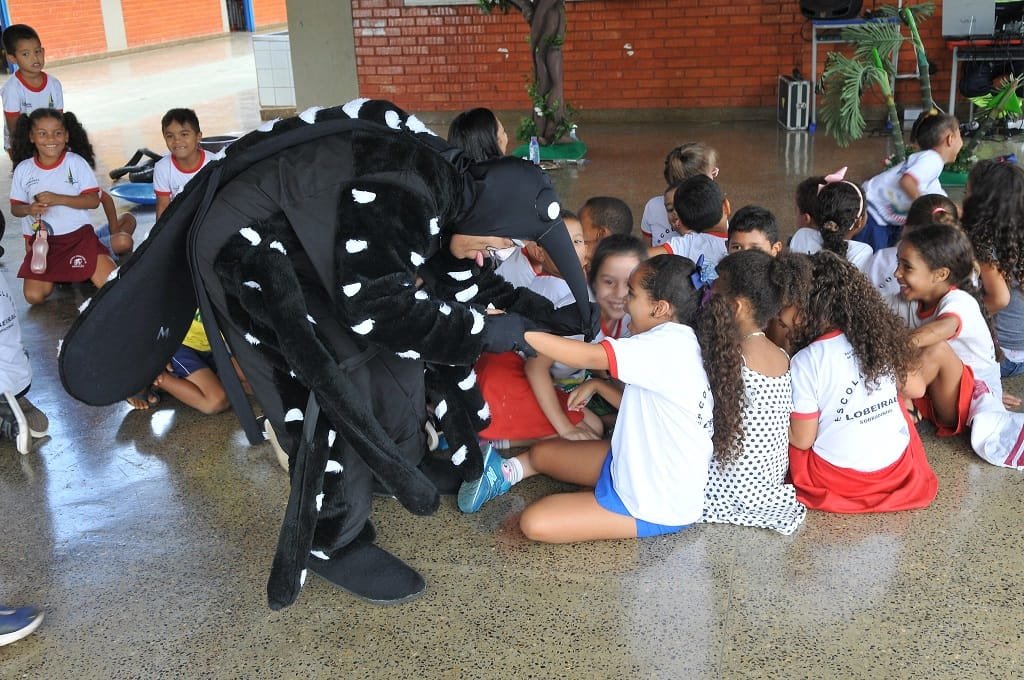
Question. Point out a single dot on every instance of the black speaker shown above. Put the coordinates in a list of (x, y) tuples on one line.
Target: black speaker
[(830, 9)]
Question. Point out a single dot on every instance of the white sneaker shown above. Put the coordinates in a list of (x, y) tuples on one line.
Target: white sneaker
[(38, 423), (271, 436)]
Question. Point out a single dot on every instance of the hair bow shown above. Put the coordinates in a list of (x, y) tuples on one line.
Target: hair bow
[(701, 282), (837, 176)]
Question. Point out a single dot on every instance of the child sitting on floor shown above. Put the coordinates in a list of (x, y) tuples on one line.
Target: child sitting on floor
[(681, 163), (925, 210), (53, 190), (180, 128), (839, 214), (754, 228), (704, 211), (525, 403), (853, 447), (750, 378), (651, 481)]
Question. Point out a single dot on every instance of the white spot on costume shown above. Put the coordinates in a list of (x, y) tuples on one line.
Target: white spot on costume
[(292, 415), (279, 247), (435, 227), (333, 467), (459, 457), (351, 289), (250, 235), (461, 276), (354, 246), (352, 108), (468, 382), (319, 554), (331, 436), (409, 354), (441, 409), (363, 196), (253, 285), (478, 322), (393, 120), (309, 115), (445, 309), (319, 501), (364, 327), (421, 295), (252, 339), (468, 294), (416, 259)]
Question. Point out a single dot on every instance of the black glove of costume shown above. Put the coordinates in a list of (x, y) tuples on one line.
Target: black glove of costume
[(566, 321), (504, 333)]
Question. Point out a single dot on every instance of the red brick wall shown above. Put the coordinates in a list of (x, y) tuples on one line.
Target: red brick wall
[(147, 22), (618, 54), (67, 28), (267, 12)]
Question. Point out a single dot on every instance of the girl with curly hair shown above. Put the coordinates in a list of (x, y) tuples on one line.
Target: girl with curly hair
[(994, 222), (839, 213), (925, 210), (651, 480), (853, 447), (53, 190), (750, 378)]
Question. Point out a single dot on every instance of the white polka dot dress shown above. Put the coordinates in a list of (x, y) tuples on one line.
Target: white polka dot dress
[(752, 489)]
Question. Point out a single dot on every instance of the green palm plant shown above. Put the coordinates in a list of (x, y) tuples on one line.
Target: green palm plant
[(1002, 104), (846, 78)]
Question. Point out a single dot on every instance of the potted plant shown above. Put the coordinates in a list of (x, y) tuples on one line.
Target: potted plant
[(1001, 105)]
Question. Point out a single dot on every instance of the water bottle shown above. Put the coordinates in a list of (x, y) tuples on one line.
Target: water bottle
[(40, 248), (534, 151)]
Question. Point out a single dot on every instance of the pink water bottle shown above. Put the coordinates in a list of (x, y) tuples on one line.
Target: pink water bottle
[(40, 247)]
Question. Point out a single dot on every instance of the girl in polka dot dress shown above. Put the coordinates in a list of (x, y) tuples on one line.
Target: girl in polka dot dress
[(747, 477)]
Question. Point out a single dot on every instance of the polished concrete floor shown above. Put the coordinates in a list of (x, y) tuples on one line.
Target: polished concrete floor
[(147, 537)]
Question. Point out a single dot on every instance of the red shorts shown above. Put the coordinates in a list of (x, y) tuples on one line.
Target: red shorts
[(963, 406), (71, 257), (515, 413), (907, 484)]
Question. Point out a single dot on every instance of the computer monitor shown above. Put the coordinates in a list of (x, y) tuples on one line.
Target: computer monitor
[(968, 18)]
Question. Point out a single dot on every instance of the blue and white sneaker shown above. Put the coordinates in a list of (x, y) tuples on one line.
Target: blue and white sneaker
[(472, 495), (18, 623)]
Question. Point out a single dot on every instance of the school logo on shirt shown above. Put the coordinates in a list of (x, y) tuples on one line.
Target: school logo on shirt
[(50, 100), (70, 179), (77, 261)]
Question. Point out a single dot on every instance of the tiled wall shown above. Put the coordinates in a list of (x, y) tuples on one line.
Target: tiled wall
[(273, 69)]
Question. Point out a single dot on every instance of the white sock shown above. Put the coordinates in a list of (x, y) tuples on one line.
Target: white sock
[(512, 470)]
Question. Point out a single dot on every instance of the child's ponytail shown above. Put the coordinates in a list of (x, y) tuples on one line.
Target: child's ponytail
[(719, 340), (840, 205), (21, 146), (78, 140)]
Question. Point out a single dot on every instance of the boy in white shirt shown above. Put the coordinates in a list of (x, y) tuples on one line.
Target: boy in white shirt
[(171, 173), (29, 88), (704, 210)]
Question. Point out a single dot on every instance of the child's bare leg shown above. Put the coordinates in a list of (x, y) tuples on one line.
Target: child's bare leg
[(126, 224), (104, 265), (202, 390), (572, 517), (593, 421), (576, 462), (36, 292), (941, 370)]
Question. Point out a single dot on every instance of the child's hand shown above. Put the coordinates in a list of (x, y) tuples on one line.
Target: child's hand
[(37, 208), (1010, 401), (48, 198), (581, 396), (581, 432)]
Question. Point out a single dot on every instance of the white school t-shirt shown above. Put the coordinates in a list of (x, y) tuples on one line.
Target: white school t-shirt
[(655, 221), (809, 241), (857, 429), (20, 97), (972, 341), (881, 271), (887, 202), (695, 244), (517, 269), (71, 176), (661, 445), (15, 370), (169, 178)]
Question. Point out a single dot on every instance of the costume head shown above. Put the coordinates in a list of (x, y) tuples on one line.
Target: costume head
[(513, 198)]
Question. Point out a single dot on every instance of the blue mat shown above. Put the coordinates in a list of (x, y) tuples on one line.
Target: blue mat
[(136, 192)]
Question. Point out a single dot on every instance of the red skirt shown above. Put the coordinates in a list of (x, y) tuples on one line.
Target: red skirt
[(907, 484), (515, 413), (963, 406), (71, 257)]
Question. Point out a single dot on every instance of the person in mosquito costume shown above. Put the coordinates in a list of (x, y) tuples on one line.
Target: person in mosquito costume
[(346, 258)]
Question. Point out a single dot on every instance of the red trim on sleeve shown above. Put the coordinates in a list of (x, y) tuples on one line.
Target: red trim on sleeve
[(94, 190), (718, 234), (613, 366), (959, 323), (15, 201), (805, 416), (667, 247), (162, 193)]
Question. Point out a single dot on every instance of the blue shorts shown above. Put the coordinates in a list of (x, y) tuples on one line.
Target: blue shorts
[(609, 499), (187, 361)]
